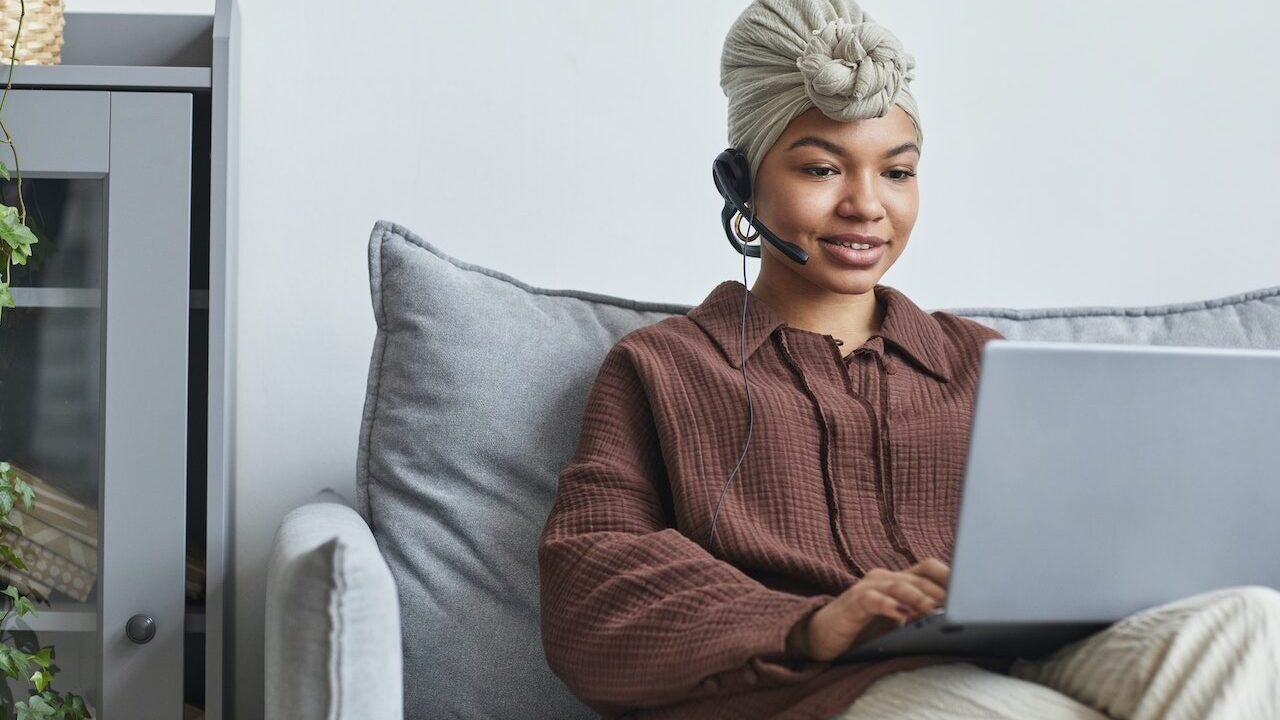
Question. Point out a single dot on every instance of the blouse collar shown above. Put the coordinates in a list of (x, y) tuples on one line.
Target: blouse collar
[(912, 330)]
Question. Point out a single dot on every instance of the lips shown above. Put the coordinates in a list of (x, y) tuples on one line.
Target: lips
[(871, 240), (854, 258)]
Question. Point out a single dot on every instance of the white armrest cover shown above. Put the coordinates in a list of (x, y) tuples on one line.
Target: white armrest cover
[(333, 647)]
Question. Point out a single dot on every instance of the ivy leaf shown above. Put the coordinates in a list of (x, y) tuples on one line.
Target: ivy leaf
[(4, 170), (11, 591), (10, 525), (19, 238), (24, 489), (10, 221), (13, 662), (24, 606), (14, 559), (25, 235), (74, 707), (44, 657), (36, 708), (42, 679), (6, 299)]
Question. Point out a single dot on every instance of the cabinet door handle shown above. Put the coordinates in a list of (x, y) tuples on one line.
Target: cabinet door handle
[(140, 629)]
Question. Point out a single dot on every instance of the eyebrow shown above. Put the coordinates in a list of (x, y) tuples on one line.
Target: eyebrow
[(835, 149)]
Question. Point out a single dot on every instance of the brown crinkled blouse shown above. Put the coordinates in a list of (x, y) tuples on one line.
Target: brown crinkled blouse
[(854, 463)]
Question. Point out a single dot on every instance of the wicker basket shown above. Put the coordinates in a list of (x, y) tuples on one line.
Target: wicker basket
[(41, 32)]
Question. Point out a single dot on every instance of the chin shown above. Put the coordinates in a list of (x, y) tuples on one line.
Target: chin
[(852, 282)]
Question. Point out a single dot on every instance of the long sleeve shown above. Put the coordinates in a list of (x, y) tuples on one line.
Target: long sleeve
[(633, 612)]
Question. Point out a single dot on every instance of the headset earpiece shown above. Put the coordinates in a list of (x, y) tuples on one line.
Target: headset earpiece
[(731, 172), (735, 170)]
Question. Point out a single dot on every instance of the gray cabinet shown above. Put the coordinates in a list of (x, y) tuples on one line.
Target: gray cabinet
[(113, 365)]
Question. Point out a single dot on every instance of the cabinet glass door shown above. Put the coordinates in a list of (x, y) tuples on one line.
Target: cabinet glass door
[(93, 374), (51, 426)]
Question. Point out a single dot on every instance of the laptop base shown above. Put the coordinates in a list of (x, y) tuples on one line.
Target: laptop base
[(935, 635)]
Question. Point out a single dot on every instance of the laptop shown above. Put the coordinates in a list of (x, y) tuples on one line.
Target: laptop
[(1101, 480)]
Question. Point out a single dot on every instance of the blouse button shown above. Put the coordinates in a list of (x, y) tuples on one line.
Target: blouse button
[(711, 684)]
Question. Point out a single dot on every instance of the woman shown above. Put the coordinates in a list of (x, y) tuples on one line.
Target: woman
[(667, 592)]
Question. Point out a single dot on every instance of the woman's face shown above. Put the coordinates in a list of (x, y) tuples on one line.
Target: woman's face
[(823, 177)]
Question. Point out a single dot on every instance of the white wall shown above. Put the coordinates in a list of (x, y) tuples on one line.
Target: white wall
[(1079, 153)]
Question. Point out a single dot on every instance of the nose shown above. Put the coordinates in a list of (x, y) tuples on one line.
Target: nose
[(861, 198)]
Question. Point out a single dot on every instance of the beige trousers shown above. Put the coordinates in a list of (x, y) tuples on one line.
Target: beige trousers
[(1213, 655)]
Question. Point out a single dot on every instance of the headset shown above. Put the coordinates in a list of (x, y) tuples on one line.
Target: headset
[(731, 172)]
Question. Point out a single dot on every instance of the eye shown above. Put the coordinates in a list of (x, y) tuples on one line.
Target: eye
[(902, 175)]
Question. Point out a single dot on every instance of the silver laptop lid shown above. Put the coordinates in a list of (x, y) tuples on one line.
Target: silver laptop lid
[(1103, 479)]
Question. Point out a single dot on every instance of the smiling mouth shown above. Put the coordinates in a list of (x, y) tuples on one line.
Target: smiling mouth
[(853, 257), (853, 245)]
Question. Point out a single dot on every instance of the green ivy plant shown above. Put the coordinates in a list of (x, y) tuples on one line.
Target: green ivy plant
[(44, 703)]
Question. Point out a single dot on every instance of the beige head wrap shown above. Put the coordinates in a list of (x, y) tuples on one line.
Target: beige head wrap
[(782, 57)]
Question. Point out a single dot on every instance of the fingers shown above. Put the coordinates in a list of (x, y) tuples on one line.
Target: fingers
[(921, 582), (878, 603), (917, 593), (872, 605), (934, 569)]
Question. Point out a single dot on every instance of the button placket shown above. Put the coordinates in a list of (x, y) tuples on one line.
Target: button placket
[(858, 358), (843, 546), (883, 454), (899, 540)]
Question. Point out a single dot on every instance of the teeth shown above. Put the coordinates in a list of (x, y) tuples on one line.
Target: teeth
[(855, 246)]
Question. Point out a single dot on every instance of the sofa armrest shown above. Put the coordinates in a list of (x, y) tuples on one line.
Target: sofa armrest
[(333, 646)]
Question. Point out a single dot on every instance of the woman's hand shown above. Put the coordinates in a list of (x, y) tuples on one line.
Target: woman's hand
[(879, 602)]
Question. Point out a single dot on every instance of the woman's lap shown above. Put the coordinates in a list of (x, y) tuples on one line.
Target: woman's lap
[(1212, 655), (964, 690), (1215, 654)]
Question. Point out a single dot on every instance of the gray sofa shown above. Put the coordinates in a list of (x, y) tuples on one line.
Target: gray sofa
[(422, 600)]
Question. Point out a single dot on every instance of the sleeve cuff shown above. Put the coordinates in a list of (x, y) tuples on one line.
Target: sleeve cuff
[(770, 666)]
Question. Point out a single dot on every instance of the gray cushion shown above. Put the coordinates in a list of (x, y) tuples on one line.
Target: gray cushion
[(476, 390), (1244, 320), (332, 646)]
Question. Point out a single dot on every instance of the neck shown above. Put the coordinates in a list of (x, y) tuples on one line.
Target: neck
[(850, 318)]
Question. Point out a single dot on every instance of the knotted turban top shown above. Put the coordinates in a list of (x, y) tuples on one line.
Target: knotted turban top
[(782, 57)]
